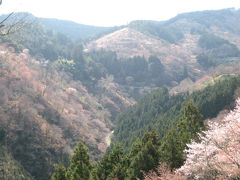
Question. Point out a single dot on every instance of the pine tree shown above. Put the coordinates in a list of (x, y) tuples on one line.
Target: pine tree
[(81, 166)]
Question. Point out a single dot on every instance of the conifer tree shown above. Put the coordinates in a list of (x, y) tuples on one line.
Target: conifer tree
[(110, 161), (81, 166), (59, 173), (169, 149), (144, 155), (174, 142)]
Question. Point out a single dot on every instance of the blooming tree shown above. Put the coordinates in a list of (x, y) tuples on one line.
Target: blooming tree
[(218, 153)]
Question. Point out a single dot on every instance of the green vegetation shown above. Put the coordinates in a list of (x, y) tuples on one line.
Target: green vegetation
[(111, 164), (81, 165), (146, 153), (45, 111), (175, 140), (10, 169), (132, 71), (59, 173), (224, 19), (41, 42), (209, 41), (71, 29), (216, 50), (157, 29), (161, 110)]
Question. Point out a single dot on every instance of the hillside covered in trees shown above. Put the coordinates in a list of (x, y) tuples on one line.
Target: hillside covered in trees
[(212, 151), (126, 102)]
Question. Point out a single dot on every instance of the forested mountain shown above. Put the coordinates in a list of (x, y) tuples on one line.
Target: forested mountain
[(44, 113), (161, 111), (190, 45), (71, 29), (149, 150), (147, 86)]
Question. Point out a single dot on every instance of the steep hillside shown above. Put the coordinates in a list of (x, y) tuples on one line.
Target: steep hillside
[(10, 168), (44, 113), (53, 94), (184, 44), (159, 110)]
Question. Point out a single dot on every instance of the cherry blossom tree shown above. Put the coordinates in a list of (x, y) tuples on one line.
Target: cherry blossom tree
[(218, 153)]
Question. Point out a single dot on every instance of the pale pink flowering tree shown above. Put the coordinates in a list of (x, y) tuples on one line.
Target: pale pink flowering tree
[(218, 153)]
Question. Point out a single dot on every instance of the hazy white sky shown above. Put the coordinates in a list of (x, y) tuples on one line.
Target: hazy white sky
[(112, 12)]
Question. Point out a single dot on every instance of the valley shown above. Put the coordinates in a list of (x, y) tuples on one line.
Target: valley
[(127, 94)]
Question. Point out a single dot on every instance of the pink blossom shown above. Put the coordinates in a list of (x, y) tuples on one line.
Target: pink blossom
[(218, 151)]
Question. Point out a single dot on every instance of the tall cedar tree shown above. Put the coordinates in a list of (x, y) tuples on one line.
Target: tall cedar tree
[(109, 162), (174, 142), (144, 155), (81, 166)]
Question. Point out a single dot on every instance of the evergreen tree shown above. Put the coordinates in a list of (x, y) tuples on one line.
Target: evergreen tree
[(190, 123), (169, 149), (81, 166), (174, 142), (144, 155), (110, 161), (59, 173)]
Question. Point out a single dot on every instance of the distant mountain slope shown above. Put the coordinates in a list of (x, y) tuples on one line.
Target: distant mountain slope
[(129, 42), (190, 43), (69, 28), (72, 29)]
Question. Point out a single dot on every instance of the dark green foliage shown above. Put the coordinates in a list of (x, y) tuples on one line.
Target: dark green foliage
[(66, 65), (175, 140), (2, 135), (155, 66), (59, 173), (216, 97), (170, 149), (216, 50), (160, 110), (205, 61), (190, 123), (81, 165), (210, 41), (144, 155), (110, 162), (157, 29), (72, 29), (224, 19), (10, 169), (150, 111), (41, 42), (136, 71), (175, 118)]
